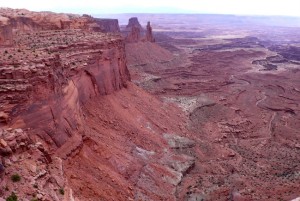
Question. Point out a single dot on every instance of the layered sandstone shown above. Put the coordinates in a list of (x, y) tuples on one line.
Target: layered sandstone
[(72, 125), (37, 175), (20, 20), (134, 35), (149, 36), (101, 25), (134, 22), (134, 32), (52, 76)]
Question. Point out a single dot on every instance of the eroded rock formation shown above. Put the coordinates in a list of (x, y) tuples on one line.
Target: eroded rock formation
[(134, 35), (73, 127), (134, 22), (60, 77), (149, 35), (30, 170), (101, 25), (134, 32), (20, 20)]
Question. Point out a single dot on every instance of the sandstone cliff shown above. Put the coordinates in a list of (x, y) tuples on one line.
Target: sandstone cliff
[(108, 25), (134, 35), (20, 20), (134, 32), (85, 129), (73, 126), (100, 25), (149, 35), (60, 76), (134, 22)]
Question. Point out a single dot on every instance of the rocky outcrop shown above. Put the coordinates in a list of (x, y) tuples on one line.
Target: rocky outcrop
[(27, 170), (134, 32), (75, 128), (134, 22), (5, 31), (83, 126), (126, 150), (19, 20), (134, 35), (47, 91), (108, 25), (101, 25), (12, 141), (149, 35)]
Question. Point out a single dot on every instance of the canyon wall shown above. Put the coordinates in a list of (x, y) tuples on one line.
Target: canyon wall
[(47, 94), (108, 25), (89, 131), (134, 32), (74, 126), (133, 22), (19, 20)]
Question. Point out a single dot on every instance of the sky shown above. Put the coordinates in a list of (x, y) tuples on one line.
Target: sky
[(239, 7)]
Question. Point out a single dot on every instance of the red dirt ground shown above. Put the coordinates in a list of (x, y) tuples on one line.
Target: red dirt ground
[(233, 105)]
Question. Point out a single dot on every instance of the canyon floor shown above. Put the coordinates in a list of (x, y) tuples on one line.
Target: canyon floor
[(210, 111), (239, 86)]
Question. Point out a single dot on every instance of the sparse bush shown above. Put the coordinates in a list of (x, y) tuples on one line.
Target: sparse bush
[(62, 191), (12, 197), (15, 177)]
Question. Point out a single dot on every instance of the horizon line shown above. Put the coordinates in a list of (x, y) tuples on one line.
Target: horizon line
[(154, 13)]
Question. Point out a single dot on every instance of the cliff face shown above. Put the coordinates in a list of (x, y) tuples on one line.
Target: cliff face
[(134, 22), (20, 20), (134, 35), (108, 25), (129, 150), (46, 93), (134, 32), (5, 31), (66, 89), (149, 35), (71, 120)]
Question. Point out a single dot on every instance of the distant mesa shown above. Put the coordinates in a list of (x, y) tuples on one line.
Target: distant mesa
[(134, 22), (102, 25)]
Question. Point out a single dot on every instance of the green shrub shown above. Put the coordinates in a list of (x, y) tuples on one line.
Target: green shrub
[(12, 197), (15, 177)]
